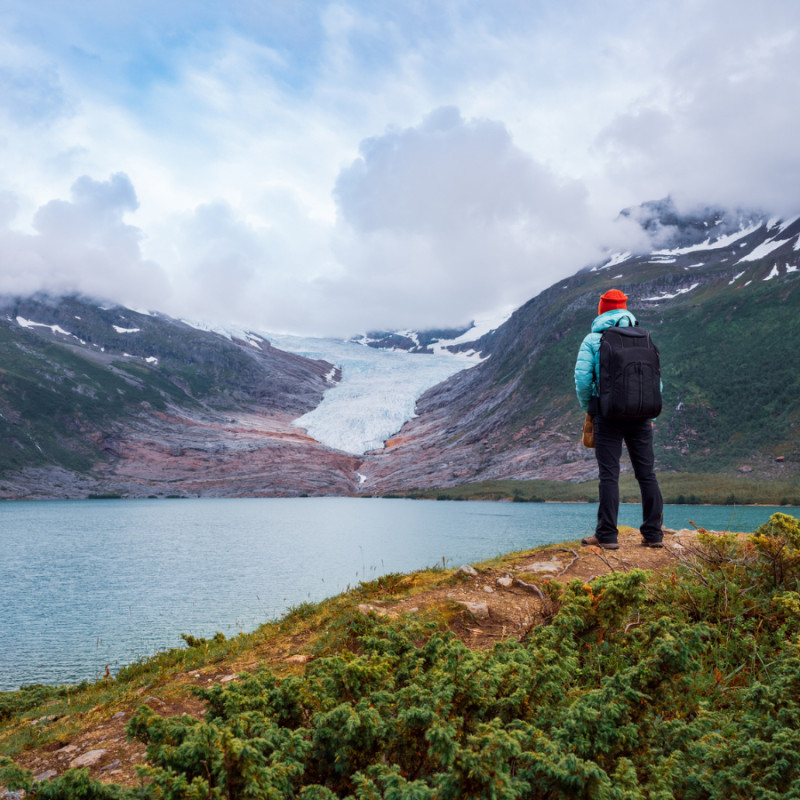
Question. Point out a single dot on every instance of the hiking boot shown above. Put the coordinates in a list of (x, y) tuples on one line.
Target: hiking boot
[(592, 541), (646, 543)]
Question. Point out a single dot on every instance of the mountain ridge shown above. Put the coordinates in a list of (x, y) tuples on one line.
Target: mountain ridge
[(515, 415), (107, 400)]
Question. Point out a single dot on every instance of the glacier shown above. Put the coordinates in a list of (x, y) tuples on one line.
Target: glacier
[(379, 388), (377, 393)]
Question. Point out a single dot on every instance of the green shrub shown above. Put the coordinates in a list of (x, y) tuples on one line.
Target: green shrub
[(195, 641), (33, 696), (630, 691), (680, 685), (782, 526)]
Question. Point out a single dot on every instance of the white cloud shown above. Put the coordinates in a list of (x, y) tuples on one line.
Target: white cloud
[(438, 223), (719, 123), (450, 217), (80, 245), (302, 164)]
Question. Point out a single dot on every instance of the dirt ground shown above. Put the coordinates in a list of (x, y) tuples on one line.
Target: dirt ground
[(501, 603), (486, 606)]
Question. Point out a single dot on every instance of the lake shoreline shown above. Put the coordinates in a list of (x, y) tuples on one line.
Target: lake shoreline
[(47, 730), (112, 581)]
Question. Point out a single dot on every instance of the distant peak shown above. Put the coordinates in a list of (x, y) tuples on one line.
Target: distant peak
[(669, 228)]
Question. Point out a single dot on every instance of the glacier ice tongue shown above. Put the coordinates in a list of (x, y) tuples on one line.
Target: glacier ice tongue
[(377, 393)]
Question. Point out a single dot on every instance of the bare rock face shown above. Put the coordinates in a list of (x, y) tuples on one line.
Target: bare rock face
[(250, 455), (442, 448), (541, 566), (478, 610), (178, 455)]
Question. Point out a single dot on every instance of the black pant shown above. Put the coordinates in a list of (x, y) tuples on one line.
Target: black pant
[(638, 437)]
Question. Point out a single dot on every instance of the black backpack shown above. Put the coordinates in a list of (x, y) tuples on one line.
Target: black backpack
[(629, 383)]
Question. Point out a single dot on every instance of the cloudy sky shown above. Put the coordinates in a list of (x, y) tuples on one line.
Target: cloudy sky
[(329, 167)]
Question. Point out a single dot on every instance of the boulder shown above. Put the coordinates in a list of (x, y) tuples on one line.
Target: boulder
[(366, 609), (478, 610), (88, 759), (541, 566)]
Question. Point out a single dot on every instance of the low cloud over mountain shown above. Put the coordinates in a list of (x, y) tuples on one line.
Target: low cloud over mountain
[(81, 245), (453, 212), (436, 223)]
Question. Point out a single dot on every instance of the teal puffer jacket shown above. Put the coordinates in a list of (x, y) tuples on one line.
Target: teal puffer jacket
[(587, 367)]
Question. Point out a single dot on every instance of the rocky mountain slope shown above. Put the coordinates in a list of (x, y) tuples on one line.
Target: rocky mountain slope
[(721, 293), (108, 400)]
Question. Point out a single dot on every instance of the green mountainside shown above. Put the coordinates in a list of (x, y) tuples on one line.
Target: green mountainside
[(71, 372), (729, 357), (725, 314)]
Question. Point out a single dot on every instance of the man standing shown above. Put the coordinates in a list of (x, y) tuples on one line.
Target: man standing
[(609, 433)]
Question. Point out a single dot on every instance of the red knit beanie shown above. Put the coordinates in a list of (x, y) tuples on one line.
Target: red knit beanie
[(612, 299)]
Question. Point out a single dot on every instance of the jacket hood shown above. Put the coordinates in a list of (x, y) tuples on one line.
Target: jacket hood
[(609, 319)]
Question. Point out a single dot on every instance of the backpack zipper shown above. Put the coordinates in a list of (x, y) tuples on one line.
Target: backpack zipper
[(641, 389)]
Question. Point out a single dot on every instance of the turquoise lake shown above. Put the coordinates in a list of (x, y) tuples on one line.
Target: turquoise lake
[(89, 583)]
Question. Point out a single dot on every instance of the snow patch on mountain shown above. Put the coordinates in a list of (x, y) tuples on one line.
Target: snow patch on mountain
[(666, 296), (735, 278), (413, 335), (763, 250), (480, 327), (26, 323), (253, 340), (722, 241), (614, 259)]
